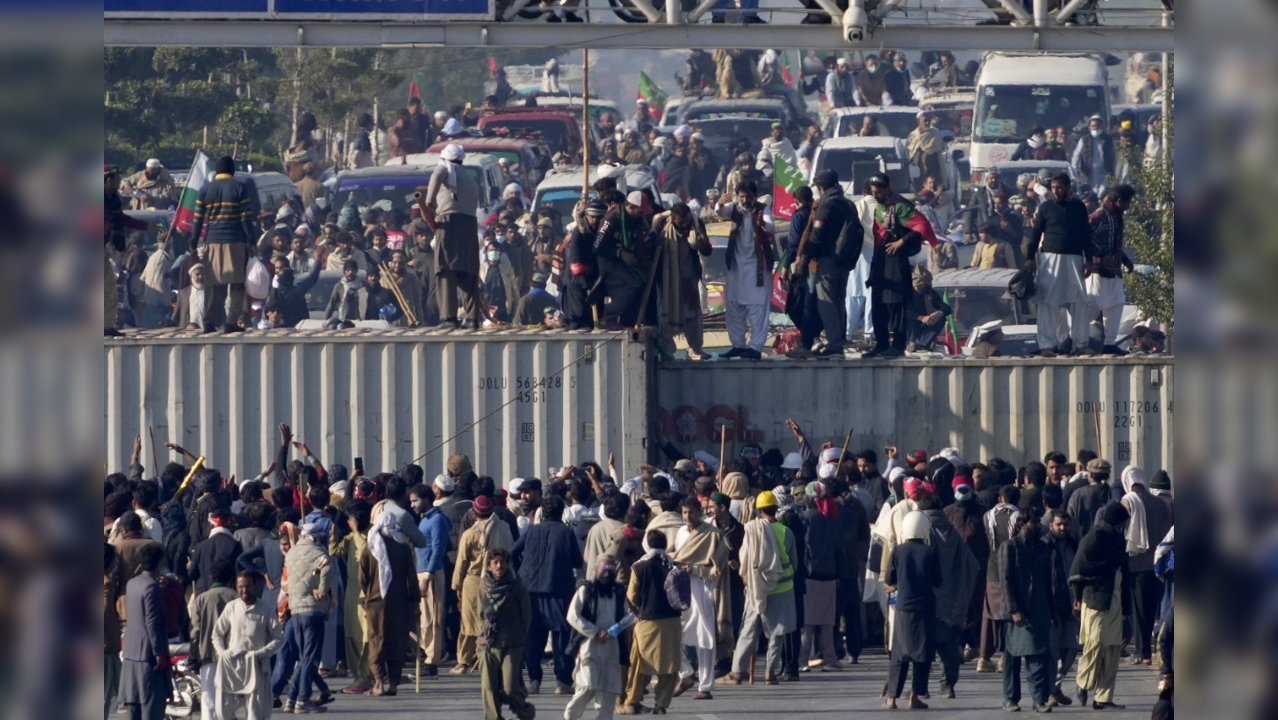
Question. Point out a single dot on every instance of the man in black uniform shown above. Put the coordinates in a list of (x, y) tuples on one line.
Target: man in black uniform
[(621, 250), (831, 216), (582, 268)]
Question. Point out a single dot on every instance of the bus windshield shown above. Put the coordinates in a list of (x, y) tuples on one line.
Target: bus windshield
[(1007, 113)]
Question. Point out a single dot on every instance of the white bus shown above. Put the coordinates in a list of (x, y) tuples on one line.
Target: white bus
[(1017, 92)]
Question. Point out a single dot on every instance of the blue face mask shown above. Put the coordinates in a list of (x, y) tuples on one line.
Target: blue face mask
[(501, 239), (494, 257)]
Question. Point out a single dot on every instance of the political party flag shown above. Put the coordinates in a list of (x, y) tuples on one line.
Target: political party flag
[(791, 72), (415, 87), (652, 93), (787, 179), (184, 218), (951, 330)]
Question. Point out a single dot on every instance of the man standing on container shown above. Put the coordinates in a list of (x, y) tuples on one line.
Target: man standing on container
[(895, 241), (454, 196), (752, 256), (1062, 234), (224, 207)]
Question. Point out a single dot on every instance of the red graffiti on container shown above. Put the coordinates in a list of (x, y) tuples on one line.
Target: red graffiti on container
[(689, 424)]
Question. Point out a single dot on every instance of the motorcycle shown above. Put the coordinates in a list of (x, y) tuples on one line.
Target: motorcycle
[(185, 693)]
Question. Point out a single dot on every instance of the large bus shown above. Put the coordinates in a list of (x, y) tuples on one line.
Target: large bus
[(1017, 92)]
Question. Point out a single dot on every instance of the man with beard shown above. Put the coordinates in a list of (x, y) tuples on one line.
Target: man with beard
[(707, 624), (867, 462), (506, 614), (1084, 504), (155, 185), (998, 530), (349, 301), (622, 253), (582, 268), (194, 307), (676, 175), (409, 287), (547, 557), (1061, 236), (897, 81), (752, 257), (422, 262), (1065, 634), (289, 294), (959, 571), (454, 196), (966, 516), (683, 243), (245, 637), (597, 607)]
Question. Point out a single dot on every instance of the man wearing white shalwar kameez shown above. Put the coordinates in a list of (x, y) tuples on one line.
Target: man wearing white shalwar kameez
[(859, 316), (246, 636), (597, 606), (700, 624), (1061, 237), (752, 257)]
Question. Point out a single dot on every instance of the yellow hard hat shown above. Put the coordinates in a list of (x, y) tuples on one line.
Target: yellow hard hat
[(766, 500)]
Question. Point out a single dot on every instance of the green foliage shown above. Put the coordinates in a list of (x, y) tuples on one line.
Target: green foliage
[(1151, 227), (246, 124)]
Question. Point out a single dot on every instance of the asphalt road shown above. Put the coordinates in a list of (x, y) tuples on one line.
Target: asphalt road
[(831, 695)]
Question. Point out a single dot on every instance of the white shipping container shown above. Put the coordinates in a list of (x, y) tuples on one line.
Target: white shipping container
[(1018, 410), (540, 399)]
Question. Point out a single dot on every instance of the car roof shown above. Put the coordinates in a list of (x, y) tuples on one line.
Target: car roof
[(953, 97), (561, 100), (1031, 164), (861, 143), (386, 171), (432, 159), (973, 278), (480, 143), (695, 105), (893, 110), (537, 113), (569, 177)]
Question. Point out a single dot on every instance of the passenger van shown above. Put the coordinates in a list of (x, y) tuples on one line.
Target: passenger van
[(1017, 92)]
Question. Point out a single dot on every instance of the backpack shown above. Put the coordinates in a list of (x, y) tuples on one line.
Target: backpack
[(847, 248), (679, 589), (1022, 286)]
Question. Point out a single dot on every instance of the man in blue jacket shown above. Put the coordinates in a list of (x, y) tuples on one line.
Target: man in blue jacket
[(432, 573), (224, 209), (547, 557), (145, 674)]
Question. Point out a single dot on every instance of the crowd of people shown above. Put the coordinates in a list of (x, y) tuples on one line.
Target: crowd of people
[(637, 591), (632, 256)]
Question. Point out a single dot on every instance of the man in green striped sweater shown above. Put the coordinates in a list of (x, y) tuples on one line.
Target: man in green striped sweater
[(224, 209)]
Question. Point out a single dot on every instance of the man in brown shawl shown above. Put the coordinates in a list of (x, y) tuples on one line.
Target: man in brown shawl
[(707, 626), (681, 241)]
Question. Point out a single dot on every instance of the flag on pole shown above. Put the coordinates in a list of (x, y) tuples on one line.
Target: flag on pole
[(415, 87), (184, 218), (787, 179), (492, 64), (652, 93), (951, 330), (791, 72)]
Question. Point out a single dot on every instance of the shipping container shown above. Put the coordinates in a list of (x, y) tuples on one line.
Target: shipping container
[(517, 403), (1016, 409)]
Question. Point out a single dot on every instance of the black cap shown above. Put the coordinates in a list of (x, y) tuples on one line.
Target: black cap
[(880, 180), (826, 179), (225, 165)]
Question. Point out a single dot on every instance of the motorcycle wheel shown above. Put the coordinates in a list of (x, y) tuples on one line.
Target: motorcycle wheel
[(185, 702)]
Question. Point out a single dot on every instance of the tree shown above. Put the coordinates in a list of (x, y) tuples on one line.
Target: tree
[(247, 126), (1151, 227)]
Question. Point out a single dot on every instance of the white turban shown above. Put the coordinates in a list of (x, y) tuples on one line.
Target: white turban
[(828, 471), (513, 190), (683, 132), (453, 154), (452, 127)]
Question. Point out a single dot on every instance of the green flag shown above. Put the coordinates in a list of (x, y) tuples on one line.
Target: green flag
[(788, 179), (652, 93)]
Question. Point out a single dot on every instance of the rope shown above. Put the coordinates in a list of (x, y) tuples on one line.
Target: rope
[(593, 349)]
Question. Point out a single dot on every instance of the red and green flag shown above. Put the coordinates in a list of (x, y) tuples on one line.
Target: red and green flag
[(791, 72), (652, 93), (951, 330), (184, 218), (415, 87), (787, 179)]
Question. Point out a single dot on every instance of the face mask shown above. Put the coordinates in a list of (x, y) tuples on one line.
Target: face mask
[(1096, 133), (494, 257), (501, 239), (872, 69)]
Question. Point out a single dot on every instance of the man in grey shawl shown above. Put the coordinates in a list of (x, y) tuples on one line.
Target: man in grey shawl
[(454, 196), (959, 570)]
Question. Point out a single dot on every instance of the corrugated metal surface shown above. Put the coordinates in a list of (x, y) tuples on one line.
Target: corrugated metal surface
[(1015, 409), (388, 398)]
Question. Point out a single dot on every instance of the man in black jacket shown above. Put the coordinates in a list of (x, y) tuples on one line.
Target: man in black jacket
[(546, 558), (1062, 234), (221, 548), (891, 287), (225, 208), (817, 254), (580, 268)]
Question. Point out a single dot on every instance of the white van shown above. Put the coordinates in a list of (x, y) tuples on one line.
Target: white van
[(1017, 92)]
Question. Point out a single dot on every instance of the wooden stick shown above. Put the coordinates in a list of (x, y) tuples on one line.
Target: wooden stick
[(652, 278), (1100, 445), (585, 122), (428, 213), (155, 469), (753, 657), (844, 454), (417, 661), (723, 448), (399, 295), (199, 463)]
